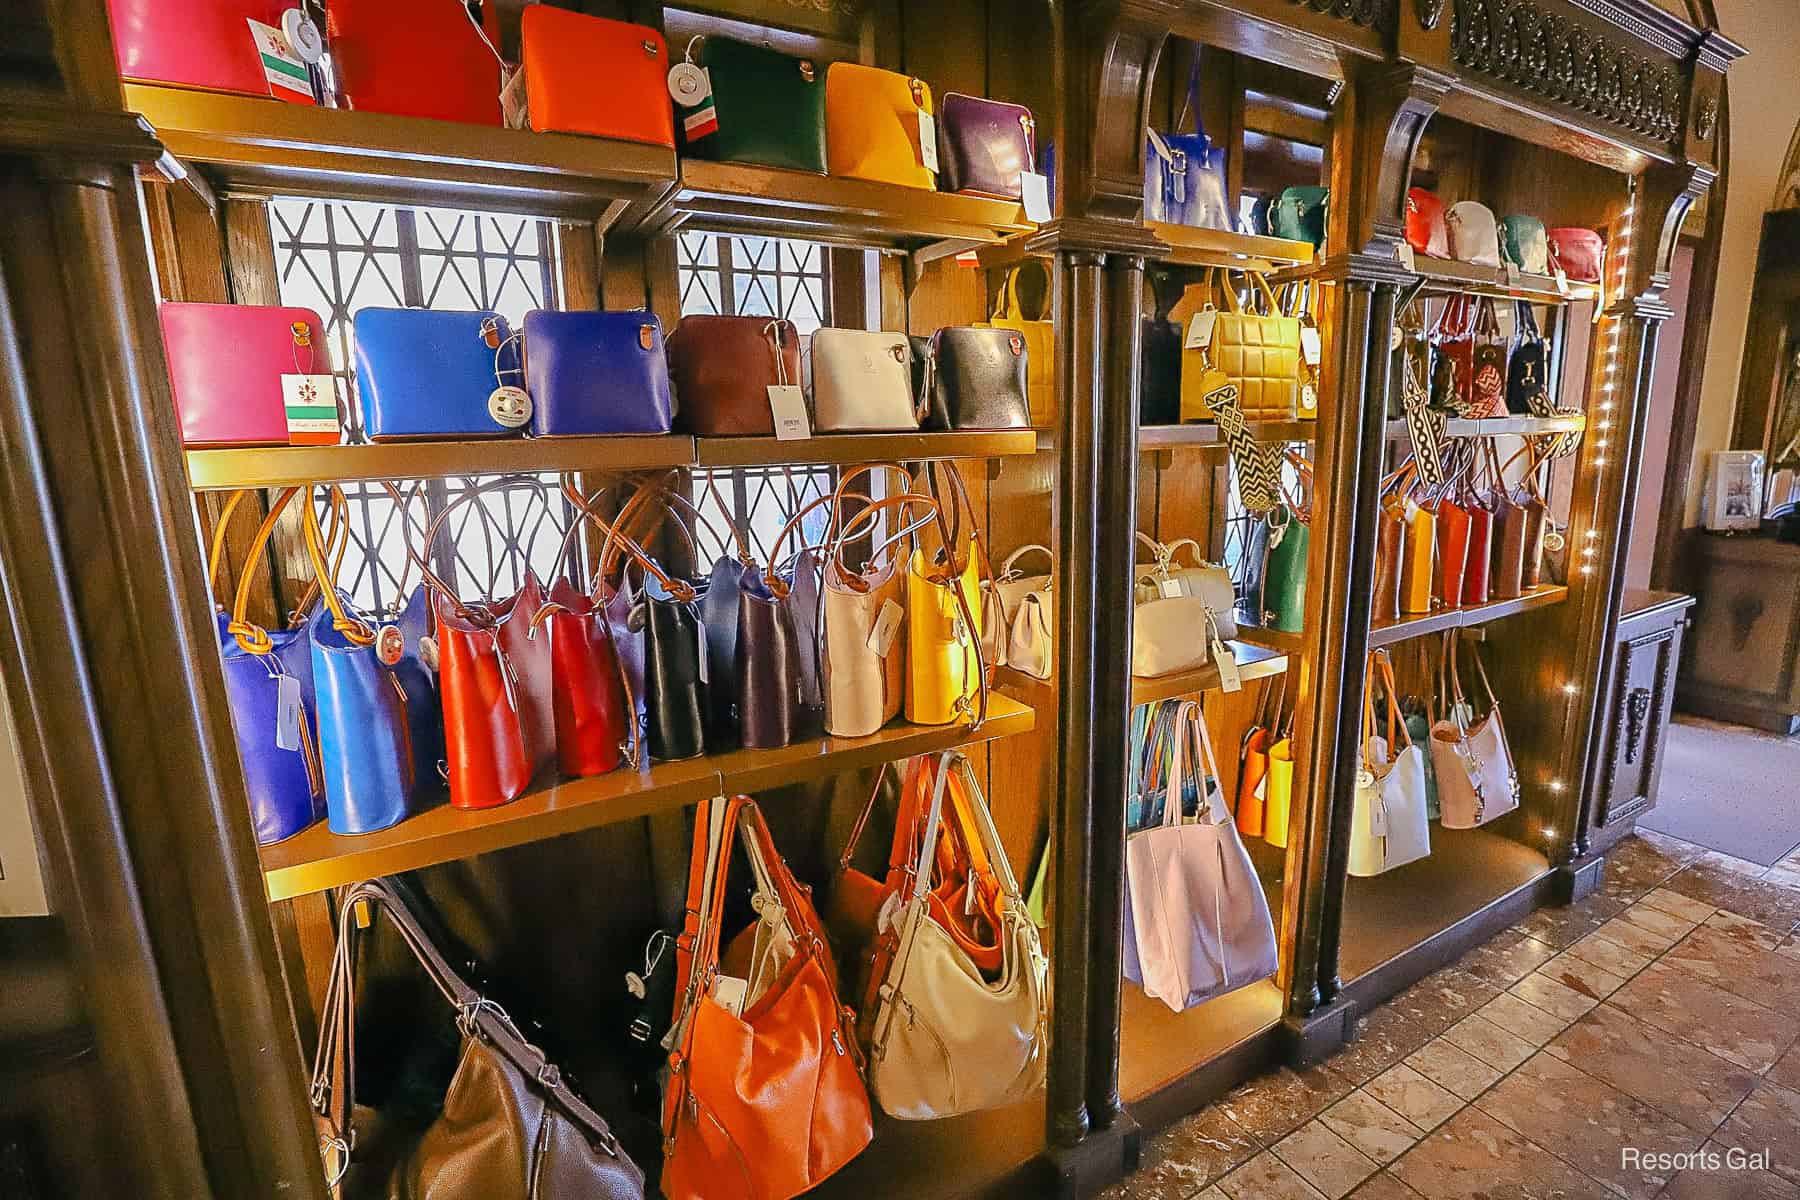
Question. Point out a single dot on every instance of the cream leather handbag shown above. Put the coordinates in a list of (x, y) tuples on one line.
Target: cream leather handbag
[(947, 1040), (862, 379), (1028, 614), (1476, 778), (863, 629), (1474, 233), (1390, 826), (1207, 582), (1181, 615)]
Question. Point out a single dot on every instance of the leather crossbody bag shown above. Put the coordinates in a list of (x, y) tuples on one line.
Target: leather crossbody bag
[(208, 47), (1524, 244), (1527, 368), (946, 678), (1389, 827), (595, 372), (1487, 388), (1039, 332), (984, 146), (1580, 253), (1299, 214), (565, 52), (722, 369), (1477, 781), (417, 58), (978, 379), (862, 380), (423, 374), (1028, 608), (226, 363), (770, 107), (1425, 231), (1474, 234), (872, 125)]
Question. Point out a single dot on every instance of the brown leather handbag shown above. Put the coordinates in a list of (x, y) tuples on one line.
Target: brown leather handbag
[(722, 368), (511, 1128), (765, 1097), (1390, 540)]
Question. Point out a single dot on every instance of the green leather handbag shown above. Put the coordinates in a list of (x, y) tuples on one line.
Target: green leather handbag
[(771, 107), (1299, 215), (1284, 580), (1524, 244)]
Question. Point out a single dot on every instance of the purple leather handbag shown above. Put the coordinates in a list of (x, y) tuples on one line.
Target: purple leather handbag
[(596, 372), (984, 145)]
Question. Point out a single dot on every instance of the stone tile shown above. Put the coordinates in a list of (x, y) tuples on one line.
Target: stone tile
[(1741, 968), (1523, 1020), (1212, 1193), (1719, 860), (1769, 903), (1711, 1018), (1634, 937), (1383, 1038), (1505, 960), (1689, 1084), (1383, 1186), (1474, 1157), (1271, 1107), (1602, 906), (1581, 975), (1453, 1068), (1637, 865), (1610, 956), (1676, 904), (1785, 874), (1376, 1130), (1413, 1096), (1325, 1160), (1654, 919), (1769, 1117), (1584, 1122), (1751, 933), (1553, 996), (1786, 1073), (1266, 1177), (1714, 1179), (1441, 999), (1558, 926), (1192, 1152), (1490, 1043)]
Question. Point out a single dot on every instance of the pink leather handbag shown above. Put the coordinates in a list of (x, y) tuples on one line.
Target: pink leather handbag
[(200, 44), (225, 365), (1581, 253)]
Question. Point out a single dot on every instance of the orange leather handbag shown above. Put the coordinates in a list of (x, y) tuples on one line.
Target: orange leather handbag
[(765, 1096), (872, 125), (565, 53)]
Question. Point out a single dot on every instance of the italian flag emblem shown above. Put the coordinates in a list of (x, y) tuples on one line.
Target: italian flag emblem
[(283, 69)]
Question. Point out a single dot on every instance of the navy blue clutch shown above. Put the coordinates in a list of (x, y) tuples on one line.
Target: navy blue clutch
[(423, 374), (596, 372)]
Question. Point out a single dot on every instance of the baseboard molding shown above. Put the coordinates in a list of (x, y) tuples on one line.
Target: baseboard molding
[(1576, 881), (1100, 1160), (1320, 1034)]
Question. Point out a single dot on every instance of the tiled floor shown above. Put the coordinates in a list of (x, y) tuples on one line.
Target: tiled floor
[(1656, 1016)]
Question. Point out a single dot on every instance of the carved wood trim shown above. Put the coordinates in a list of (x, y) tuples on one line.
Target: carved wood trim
[(1371, 14), (1610, 810)]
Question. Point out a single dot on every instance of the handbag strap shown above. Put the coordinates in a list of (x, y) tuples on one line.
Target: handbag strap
[(1007, 571), (1190, 101), (253, 638), (354, 629)]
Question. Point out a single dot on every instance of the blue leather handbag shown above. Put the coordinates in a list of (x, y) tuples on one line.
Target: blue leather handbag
[(596, 372), (1184, 173), (422, 374), (364, 743)]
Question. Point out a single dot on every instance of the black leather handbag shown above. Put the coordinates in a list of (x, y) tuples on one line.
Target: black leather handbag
[(719, 613), (1526, 384), (977, 379), (1159, 357), (675, 683)]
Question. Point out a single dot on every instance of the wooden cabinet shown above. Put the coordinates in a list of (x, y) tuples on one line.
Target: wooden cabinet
[(1646, 657), (1741, 666)]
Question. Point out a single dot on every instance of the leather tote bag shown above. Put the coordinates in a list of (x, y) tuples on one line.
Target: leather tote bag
[(862, 380), (1184, 173), (764, 1100), (588, 679), (770, 107), (1278, 806), (1253, 763), (978, 379), (1418, 555), (1452, 520), (984, 146), (1527, 369), (1477, 564), (207, 46), (595, 372), (564, 53), (226, 362), (1477, 781), (1299, 214), (1284, 576), (1028, 607), (1197, 915), (1508, 555), (1032, 278), (946, 679), (1389, 827), (1487, 387), (722, 369), (417, 58), (1390, 540), (1425, 230), (510, 1128), (269, 689), (872, 125), (949, 1034), (422, 374), (1524, 244), (1257, 352), (1474, 234), (1579, 253)]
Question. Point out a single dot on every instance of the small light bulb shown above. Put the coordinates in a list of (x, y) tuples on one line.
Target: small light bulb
[(1599, 462), (1556, 785), (1587, 568), (1570, 689)]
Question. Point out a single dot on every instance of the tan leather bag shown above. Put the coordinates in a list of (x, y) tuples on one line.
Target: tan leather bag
[(865, 671), (721, 369)]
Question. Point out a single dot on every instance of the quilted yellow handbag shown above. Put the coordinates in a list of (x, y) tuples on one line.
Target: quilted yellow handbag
[(1040, 337), (1258, 353), (872, 125)]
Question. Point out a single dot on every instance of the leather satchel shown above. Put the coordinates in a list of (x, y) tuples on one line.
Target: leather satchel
[(946, 679), (978, 379), (872, 125), (1527, 368), (510, 1127), (862, 380), (417, 58), (1508, 555), (770, 106), (1425, 229), (595, 372), (423, 374), (208, 46), (565, 52), (764, 1100), (1524, 244), (1039, 332), (722, 369), (1477, 781), (984, 146), (1389, 827), (1580, 253), (1284, 576), (1299, 213), (1184, 173), (226, 362), (1474, 234)]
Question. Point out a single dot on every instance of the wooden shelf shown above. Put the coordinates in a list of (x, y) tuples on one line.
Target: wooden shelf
[(1206, 433), (1254, 662), (284, 466), (266, 147), (1502, 426), (1158, 1047), (1192, 247), (767, 201), (316, 858), (1385, 633), (1445, 276), (862, 447)]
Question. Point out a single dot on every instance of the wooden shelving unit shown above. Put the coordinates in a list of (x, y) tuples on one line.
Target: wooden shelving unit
[(1386, 633), (1254, 662), (1192, 247), (1445, 276), (1206, 433), (846, 448), (316, 858)]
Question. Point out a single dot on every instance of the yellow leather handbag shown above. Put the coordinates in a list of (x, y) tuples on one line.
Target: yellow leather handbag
[(1256, 352), (1040, 336), (872, 125), (1278, 792), (1416, 554), (946, 679)]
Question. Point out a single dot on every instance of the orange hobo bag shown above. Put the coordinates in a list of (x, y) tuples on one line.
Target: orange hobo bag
[(765, 1097)]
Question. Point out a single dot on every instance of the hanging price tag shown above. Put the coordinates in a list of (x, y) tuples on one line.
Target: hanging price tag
[(1562, 281), (886, 628), (1229, 678), (1200, 329), (1310, 345), (700, 637), (927, 141), (1036, 190), (1378, 824), (1215, 803), (1407, 259), (312, 413), (515, 110), (286, 73), (788, 405), (509, 406), (1169, 589), (288, 712)]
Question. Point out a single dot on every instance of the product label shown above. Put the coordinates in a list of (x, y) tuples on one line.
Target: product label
[(1310, 345), (312, 413), (886, 628), (288, 712), (728, 993), (514, 108), (1037, 196), (701, 122), (788, 405), (287, 75), (1200, 329), (700, 640), (927, 141), (509, 406), (1407, 258), (1226, 661)]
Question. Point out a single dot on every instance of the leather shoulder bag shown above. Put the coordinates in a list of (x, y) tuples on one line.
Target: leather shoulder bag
[(1033, 277), (1418, 553), (1425, 231), (1487, 388), (872, 125), (226, 363), (1028, 609), (946, 679), (1579, 253), (1453, 357), (206, 48), (1524, 244), (423, 374), (1527, 368), (1389, 827), (595, 372), (565, 52), (984, 146), (1474, 234), (978, 379), (862, 380), (722, 369), (1476, 779), (416, 58), (770, 107), (1184, 173), (1284, 576)]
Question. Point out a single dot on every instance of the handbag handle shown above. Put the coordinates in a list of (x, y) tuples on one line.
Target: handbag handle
[(866, 515), (473, 613), (618, 542), (1006, 303), (354, 629), (250, 637), (1007, 571)]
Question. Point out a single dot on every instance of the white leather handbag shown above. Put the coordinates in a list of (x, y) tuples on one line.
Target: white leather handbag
[(1474, 233), (1476, 778), (945, 1039), (1181, 615), (862, 380), (1390, 826), (1028, 614)]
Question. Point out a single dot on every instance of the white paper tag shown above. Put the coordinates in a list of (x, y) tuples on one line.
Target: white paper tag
[(1310, 345), (287, 75), (288, 712), (514, 107), (1170, 589), (1395, 337), (728, 993), (927, 141), (311, 404), (689, 84), (886, 628), (509, 406), (700, 637), (1377, 816), (1200, 329), (1226, 661), (1215, 802), (1512, 274), (1503, 316), (1407, 258), (1562, 281), (788, 405), (1036, 189)]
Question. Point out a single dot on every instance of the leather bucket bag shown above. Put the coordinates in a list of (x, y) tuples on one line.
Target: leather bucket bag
[(977, 379), (764, 1099), (1474, 234), (416, 58), (595, 372), (862, 380), (564, 53), (226, 363), (1418, 555), (1389, 827), (770, 107), (510, 1127), (1033, 277), (1253, 762), (423, 374), (946, 676), (984, 146), (1425, 231), (872, 125), (1481, 537), (722, 369), (1452, 550), (1476, 778)]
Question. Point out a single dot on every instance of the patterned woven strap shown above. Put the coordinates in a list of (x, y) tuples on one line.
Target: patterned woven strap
[(1258, 466), (1425, 428)]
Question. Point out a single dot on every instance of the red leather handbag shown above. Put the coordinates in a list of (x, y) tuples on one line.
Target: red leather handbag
[(1487, 384), (1425, 231), (1581, 253), (417, 58), (225, 367), (565, 53), (1453, 356), (1453, 550), (1480, 540), (205, 45)]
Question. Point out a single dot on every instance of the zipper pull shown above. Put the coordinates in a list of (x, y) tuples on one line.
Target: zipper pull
[(838, 1042)]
